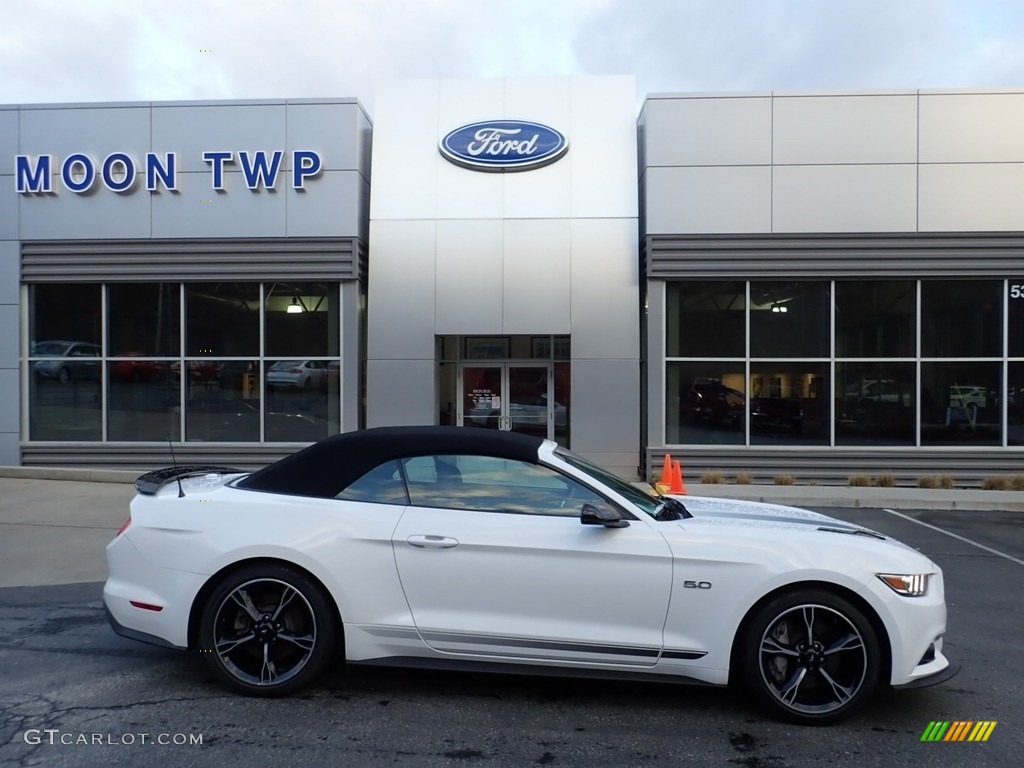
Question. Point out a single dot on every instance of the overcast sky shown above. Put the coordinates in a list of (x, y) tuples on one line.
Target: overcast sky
[(157, 50)]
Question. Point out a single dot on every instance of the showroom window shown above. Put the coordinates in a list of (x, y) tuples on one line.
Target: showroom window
[(845, 363), (199, 362)]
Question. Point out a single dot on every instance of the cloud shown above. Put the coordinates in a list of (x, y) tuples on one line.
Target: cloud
[(150, 50)]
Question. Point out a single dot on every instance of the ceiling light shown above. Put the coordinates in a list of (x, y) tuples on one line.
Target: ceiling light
[(295, 307)]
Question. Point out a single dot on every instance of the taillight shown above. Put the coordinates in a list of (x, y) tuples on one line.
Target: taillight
[(124, 526)]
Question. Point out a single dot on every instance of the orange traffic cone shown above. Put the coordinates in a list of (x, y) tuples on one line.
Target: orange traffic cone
[(678, 486), (665, 481)]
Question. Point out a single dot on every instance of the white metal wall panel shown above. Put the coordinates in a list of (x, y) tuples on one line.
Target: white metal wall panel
[(720, 199), (545, 192), (972, 127), (405, 138), (844, 198), (463, 194), (536, 295), (708, 131), (469, 276), (401, 286), (831, 130), (972, 197), (605, 290), (402, 392), (606, 411), (603, 148)]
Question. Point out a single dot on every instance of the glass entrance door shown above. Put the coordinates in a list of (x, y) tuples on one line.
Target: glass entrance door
[(514, 397)]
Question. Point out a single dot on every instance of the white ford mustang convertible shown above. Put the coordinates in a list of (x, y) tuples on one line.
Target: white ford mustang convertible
[(468, 548)]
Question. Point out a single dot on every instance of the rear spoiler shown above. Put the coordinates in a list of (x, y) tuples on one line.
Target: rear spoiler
[(151, 482)]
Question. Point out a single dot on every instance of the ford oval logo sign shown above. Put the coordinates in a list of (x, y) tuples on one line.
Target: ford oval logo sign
[(503, 145)]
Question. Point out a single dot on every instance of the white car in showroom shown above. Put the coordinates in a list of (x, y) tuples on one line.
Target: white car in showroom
[(467, 548)]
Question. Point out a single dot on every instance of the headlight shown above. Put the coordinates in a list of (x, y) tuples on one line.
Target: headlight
[(908, 585)]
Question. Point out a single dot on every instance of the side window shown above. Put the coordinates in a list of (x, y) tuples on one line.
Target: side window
[(491, 484), (382, 484)]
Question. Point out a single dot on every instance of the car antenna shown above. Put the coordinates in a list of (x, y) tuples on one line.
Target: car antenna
[(181, 492)]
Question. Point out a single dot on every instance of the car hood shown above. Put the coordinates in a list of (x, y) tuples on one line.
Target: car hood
[(762, 515)]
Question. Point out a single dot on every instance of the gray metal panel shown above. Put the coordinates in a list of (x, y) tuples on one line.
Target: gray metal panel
[(192, 129), (10, 385), (10, 271), (330, 129), (9, 137), (9, 201), (855, 256), (833, 130), (9, 322), (9, 449), (197, 210), (100, 214), (351, 356), (95, 130), (145, 456), (335, 206), (834, 466), (131, 260)]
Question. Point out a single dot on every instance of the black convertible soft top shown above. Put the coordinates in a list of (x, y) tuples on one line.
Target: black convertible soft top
[(326, 468)]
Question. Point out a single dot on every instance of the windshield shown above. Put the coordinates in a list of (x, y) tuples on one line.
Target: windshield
[(645, 500)]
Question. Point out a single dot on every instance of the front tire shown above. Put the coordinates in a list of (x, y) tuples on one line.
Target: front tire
[(811, 657), (267, 630)]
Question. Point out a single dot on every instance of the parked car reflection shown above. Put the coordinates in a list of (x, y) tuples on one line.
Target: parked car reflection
[(710, 402), (73, 360), (297, 374)]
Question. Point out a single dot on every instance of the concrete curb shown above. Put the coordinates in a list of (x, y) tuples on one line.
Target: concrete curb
[(73, 475)]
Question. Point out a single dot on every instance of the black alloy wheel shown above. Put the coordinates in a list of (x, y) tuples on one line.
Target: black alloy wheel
[(811, 657), (267, 630)]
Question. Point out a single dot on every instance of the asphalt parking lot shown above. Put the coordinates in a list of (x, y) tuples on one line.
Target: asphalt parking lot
[(75, 694)]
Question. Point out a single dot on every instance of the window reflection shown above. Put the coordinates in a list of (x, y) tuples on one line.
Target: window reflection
[(876, 319), (706, 319), (706, 403), (222, 319), (789, 403), (302, 399), (961, 318), (789, 319), (143, 401), (875, 403), (302, 319), (144, 319), (961, 403), (1015, 404), (222, 400)]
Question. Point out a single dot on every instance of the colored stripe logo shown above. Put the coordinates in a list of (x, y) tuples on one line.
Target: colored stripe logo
[(958, 730)]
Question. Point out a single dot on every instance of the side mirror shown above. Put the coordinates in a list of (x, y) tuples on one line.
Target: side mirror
[(607, 516)]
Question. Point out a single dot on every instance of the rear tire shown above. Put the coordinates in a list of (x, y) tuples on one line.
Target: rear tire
[(810, 657), (267, 630)]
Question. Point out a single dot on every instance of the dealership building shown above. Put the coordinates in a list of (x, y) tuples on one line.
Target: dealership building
[(819, 284)]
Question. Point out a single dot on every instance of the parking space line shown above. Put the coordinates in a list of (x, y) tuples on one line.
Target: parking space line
[(955, 536)]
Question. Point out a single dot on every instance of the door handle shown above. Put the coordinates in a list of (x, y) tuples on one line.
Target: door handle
[(429, 541)]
